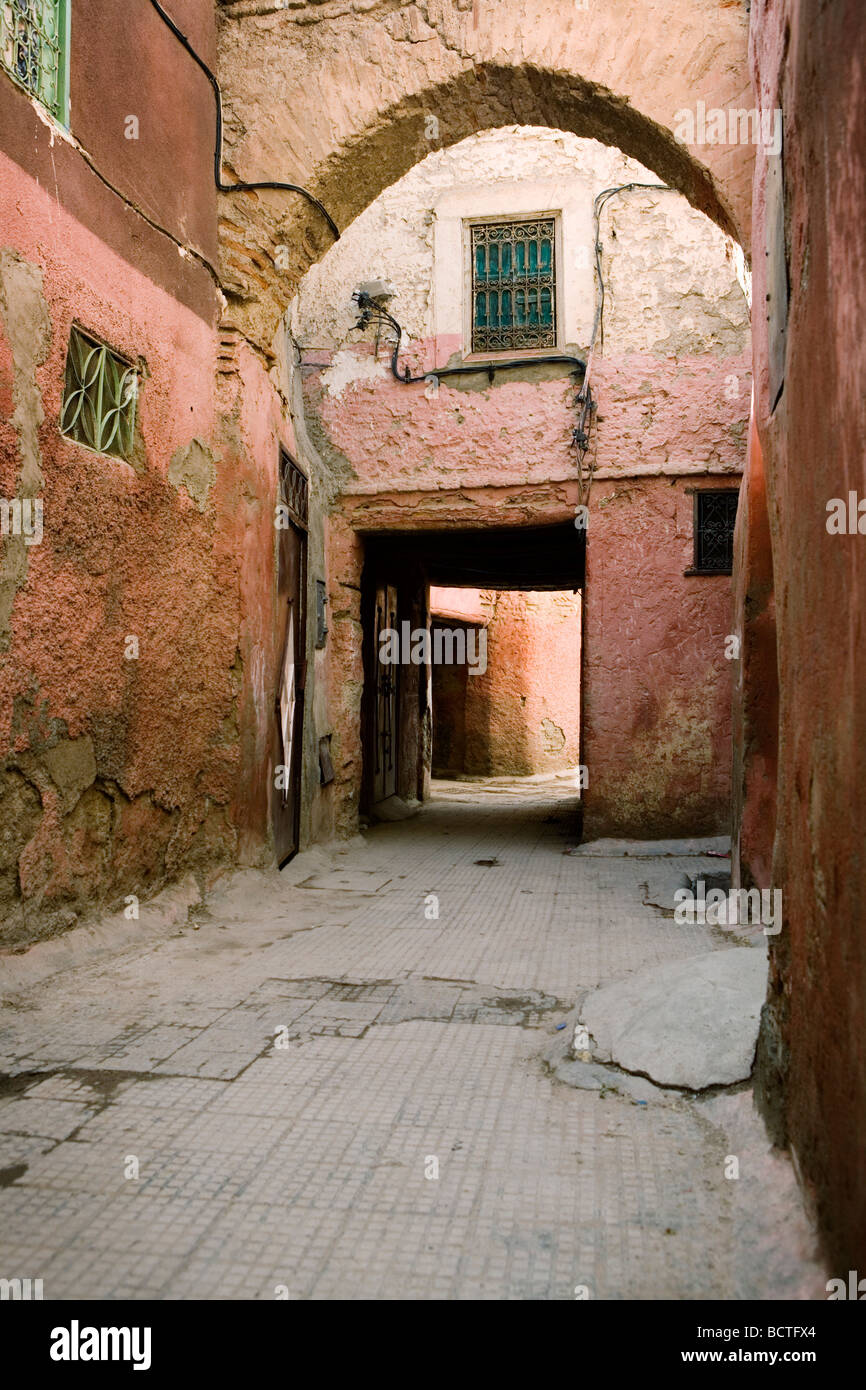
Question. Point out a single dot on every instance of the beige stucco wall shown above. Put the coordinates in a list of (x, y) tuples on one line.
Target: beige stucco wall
[(671, 276)]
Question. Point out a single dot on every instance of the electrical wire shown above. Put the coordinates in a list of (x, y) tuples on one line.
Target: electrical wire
[(370, 308), (585, 398), (598, 204), (218, 145)]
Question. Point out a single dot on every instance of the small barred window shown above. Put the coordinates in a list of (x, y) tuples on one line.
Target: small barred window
[(715, 515), (513, 285), (34, 49), (99, 397)]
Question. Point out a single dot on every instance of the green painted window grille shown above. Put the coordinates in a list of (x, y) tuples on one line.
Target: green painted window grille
[(34, 49), (513, 285), (99, 398)]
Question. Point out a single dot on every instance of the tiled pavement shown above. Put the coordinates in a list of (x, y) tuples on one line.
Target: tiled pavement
[(328, 1092)]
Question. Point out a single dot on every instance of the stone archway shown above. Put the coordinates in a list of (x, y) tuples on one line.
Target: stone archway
[(345, 100)]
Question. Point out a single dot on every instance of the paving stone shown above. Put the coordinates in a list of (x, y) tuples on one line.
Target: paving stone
[(412, 1140)]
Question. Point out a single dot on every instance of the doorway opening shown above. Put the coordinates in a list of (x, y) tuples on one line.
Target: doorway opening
[(472, 660), (516, 711)]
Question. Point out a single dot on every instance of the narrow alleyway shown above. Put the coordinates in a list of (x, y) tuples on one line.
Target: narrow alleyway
[(325, 1092)]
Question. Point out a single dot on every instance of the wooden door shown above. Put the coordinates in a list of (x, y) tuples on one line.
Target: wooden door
[(385, 705), (291, 607)]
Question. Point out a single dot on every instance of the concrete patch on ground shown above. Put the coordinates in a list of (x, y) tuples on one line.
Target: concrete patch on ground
[(592, 1076), (715, 845), (365, 881), (690, 1023), (579, 1071), (662, 879)]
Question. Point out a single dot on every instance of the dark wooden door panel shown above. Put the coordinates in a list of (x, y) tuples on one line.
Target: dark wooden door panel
[(385, 709), (289, 723)]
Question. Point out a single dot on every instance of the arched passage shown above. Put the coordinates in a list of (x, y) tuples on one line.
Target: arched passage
[(478, 455), (345, 104)]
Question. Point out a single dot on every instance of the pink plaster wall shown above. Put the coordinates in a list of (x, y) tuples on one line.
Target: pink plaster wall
[(657, 685), (522, 716), (118, 774), (672, 413), (756, 682), (808, 59)]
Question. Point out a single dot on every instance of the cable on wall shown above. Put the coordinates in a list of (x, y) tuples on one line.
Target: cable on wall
[(372, 309), (218, 145), (585, 398)]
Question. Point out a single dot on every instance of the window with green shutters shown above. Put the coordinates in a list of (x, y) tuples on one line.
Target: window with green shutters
[(34, 49), (99, 397), (513, 285)]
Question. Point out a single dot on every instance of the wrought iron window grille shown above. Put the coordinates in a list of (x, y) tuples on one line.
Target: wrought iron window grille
[(513, 266), (715, 513), (34, 49), (294, 488), (99, 397)]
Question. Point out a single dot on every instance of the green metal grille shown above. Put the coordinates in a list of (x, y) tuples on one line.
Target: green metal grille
[(99, 398), (513, 285), (34, 48)]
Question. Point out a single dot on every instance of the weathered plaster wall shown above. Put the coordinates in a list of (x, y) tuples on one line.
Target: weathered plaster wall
[(522, 715), (369, 88), (654, 416), (120, 770), (756, 682), (119, 760), (161, 164), (673, 378), (117, 771), (808, 59), (410, 236), (657, 684), (150, 200)]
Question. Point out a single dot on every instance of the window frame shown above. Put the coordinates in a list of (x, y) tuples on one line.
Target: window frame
[(60, 113), (697, 493), (511, 354), (132, 365), (294, 488)]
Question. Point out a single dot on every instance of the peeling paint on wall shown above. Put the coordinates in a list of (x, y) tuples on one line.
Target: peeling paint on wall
[(26, 322), (193, 467)]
